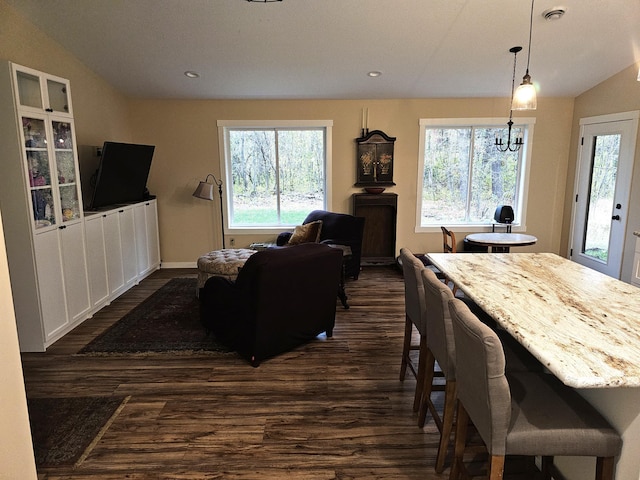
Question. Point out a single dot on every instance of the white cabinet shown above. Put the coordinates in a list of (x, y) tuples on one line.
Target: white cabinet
[(113, 248), (42, 206), (120, 244), (96, 260), (635, 274), (123, 248), (147, 246)]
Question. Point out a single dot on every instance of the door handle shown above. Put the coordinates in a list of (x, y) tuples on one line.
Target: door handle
[(615, 217)]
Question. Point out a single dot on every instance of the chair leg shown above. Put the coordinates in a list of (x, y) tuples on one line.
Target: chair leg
[(447, 423), (604, 468), (425, 403), (459, 442), (406, 347), (422, 366), (496, 467), (547, 467)]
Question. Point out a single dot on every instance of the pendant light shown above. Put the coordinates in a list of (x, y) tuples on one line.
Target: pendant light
[(524, 97), (512, 144)]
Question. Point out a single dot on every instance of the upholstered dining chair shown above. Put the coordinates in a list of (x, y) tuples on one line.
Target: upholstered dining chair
[(440, 349), (414, 317), (520, 413)]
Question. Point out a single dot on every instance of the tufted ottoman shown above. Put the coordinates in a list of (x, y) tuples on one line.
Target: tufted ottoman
[(223, 263)]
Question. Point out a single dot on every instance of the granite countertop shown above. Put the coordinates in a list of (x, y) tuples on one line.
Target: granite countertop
[(582, 325)]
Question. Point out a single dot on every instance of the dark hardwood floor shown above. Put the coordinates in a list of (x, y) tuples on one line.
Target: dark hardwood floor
[(332, 409)]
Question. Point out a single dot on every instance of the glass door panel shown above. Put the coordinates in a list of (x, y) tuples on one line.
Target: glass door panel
[(29, 94), (58, 99), (62, 135), (35, 134), (66, 168), (43, 207), (38, 168), (69, 202), (39, 172), (602, 188), (65, 164)]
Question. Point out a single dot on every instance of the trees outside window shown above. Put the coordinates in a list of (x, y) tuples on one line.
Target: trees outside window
[(464, 176), (275, 175)]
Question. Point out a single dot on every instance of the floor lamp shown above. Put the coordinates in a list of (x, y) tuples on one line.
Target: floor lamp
[(205, 191)]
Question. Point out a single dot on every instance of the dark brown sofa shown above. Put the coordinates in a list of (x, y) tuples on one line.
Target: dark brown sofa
[(283, 297)]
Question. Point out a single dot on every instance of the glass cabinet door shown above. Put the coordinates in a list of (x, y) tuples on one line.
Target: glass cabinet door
[(66, 169), (29, 93), (58, 97), (41, 92), (39, 172)]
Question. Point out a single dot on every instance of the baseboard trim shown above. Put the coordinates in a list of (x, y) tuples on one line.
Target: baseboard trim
[(168, 265)]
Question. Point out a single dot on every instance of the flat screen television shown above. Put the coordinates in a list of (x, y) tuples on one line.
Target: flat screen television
[(122, 174)]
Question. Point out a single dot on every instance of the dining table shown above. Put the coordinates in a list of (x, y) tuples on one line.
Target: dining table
[(582, 325), (500, 241)]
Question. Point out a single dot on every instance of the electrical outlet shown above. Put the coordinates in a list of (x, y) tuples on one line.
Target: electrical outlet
[(233, 242)]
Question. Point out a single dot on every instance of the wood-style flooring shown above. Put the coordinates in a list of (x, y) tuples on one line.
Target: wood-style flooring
[(331, 409)]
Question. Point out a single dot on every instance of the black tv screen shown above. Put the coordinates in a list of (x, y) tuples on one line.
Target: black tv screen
[(122, 174)]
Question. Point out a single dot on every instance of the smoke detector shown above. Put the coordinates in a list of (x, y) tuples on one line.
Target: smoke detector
[(554, 13)]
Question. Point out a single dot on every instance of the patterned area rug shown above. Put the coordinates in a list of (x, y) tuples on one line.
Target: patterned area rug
[(168, 321), (65, 430)]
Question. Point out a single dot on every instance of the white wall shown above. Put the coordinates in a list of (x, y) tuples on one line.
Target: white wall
[(16, 451)]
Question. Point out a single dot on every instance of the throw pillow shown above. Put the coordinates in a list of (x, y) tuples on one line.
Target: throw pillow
[(308, 233)]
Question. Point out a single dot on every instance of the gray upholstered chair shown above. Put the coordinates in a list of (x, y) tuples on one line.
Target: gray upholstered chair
[(520, 413), (441, 349), (414, 316)]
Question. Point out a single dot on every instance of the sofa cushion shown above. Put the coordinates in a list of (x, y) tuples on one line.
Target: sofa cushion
[(307, 233)]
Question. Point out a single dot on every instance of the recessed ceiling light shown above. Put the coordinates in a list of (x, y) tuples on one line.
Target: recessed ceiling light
[(374, 74), (191, 74), (554, 13)]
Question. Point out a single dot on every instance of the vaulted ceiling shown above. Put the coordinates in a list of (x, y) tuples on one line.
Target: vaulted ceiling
[(325, 48)]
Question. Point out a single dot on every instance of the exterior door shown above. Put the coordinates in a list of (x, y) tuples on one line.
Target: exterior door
[(603, 183)]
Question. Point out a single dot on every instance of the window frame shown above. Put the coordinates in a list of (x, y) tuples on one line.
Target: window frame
[(225, 168), (522, 194)]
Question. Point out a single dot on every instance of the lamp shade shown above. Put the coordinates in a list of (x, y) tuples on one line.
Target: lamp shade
[(524, 97), (204, 191)]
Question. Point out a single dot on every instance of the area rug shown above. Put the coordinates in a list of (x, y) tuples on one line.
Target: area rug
[(65, 430), (167, 321)]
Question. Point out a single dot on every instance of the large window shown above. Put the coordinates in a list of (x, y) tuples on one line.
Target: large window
[(463, 175), (275, 173)]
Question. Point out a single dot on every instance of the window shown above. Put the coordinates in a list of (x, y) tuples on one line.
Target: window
[(276, 172), (465, 177)]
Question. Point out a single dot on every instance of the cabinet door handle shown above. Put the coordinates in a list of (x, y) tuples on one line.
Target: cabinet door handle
[(48, 109), (62, 227), (615, 217)]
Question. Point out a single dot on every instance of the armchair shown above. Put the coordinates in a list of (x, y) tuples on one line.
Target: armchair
[(282, 297), (339, 229)]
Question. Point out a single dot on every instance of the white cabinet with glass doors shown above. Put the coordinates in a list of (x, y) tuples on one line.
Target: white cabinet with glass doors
[(42, 206)]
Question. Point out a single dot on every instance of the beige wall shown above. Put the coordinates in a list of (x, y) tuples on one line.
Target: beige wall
[(186, 139), (16, 453), (100, 112), (620, 93)]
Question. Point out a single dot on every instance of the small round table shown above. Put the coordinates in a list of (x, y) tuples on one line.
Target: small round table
[(500, 242)]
